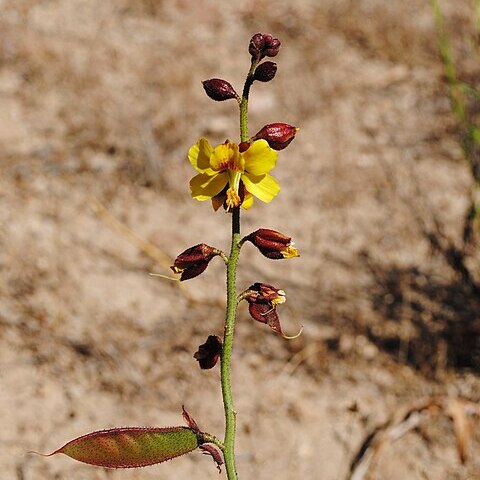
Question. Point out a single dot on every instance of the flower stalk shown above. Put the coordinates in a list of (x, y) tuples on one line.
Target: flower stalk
[(230, 414)]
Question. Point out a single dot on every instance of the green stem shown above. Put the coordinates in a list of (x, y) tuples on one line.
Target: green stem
[(230, 414), (229, 441), (244, 103)]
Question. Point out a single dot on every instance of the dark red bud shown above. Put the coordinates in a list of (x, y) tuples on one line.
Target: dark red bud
[(265, 71), (263, 45), (256, 46), (278, 135), (219, 90), (272, 244), (209, 352), (272, 46), (193, 261)]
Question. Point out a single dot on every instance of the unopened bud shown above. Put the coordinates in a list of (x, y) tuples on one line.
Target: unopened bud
[(256, 46), (272, 45), (193, 261), (219, 90), (263, 45), (272, 244), (278, 135), (265, 71)]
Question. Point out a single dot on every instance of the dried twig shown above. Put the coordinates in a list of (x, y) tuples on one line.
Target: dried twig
[(461, 411), (147, 248)]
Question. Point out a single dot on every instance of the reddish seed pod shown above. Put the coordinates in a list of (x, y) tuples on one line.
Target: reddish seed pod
[(219, 90), (278, 135), (265, 72), (130, 447)]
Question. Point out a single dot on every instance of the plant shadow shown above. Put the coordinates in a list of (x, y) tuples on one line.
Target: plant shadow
[(424, 319)]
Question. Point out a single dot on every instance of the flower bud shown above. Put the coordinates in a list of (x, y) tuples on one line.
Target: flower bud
[(272, 45), (265, 71), (209, 352), (193, 261), (256, 46), (278, 135), (219, 90), (272, 244), (263, 45)]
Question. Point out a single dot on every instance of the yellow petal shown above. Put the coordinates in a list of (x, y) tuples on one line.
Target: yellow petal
[(264, 187), (247, 201), (205, 186), (226, 156), (259, 158), (199, 156)]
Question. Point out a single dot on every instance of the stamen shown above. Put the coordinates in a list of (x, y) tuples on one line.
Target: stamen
[(233, 199)]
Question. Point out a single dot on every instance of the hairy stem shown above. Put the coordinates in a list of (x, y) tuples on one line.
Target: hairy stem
[(244, 102), (229, 441), (230, 414)]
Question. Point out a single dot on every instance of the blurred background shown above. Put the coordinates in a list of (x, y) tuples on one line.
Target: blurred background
[(100, 102)]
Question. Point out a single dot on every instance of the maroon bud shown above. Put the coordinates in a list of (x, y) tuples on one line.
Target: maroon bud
[(263, 45), (278, 135), (265, 71), (219, 90), (272, 244), (272, 45), (193, 261), (209, 352), (256, 46)]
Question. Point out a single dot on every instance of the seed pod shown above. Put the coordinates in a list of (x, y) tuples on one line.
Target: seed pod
[(131, 446), (278, 135), (219, 90), (265, 71)]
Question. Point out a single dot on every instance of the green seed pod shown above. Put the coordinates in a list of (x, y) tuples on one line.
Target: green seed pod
[(131, 446)]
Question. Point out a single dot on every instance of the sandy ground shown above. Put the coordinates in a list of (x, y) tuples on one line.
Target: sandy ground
[(100, 102)]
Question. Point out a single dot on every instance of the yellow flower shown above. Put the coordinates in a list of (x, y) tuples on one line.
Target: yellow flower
[(228, 176)]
